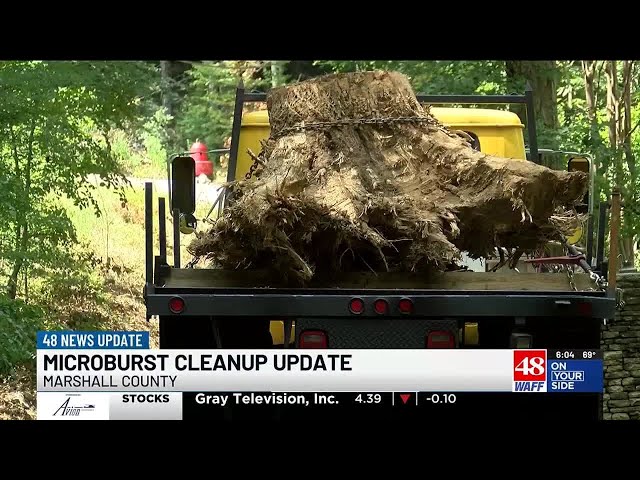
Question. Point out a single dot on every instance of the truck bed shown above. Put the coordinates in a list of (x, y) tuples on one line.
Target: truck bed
[(465, 281)]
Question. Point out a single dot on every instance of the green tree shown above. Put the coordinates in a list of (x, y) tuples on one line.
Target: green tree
[(436, 76), (207, 110), (55, 118)]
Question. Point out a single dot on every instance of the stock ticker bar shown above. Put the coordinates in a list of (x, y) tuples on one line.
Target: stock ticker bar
[(421, 406)]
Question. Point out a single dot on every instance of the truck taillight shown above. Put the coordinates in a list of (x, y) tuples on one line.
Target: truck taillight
[(356, 306), (585, 309), (381, 306), (176, 305), (405, 306), (441, 339), (313, 339)]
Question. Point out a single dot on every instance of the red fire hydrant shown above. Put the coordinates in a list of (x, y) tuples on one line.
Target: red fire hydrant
[(204, 166)]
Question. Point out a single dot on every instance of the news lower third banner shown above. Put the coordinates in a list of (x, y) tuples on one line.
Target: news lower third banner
[(116, 375)]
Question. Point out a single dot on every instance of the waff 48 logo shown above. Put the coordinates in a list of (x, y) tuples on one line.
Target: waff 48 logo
[(529, 371)]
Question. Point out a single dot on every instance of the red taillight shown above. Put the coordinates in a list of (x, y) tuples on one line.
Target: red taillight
[(380, 306), (313, 339), (176, 305), (441, 339), (405, 306), (356, 306), (585, 309)]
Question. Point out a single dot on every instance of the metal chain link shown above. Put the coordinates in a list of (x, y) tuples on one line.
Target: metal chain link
[(256, 162), (572, 282), (252, 169), (600, 282), (192, 263), (352, 121), (620, 303)]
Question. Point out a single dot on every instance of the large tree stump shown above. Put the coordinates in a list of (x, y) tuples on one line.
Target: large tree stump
[(403, 195)]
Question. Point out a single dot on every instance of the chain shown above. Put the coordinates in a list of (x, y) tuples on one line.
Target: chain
[(192, 263), (572, 282), (256, 162), (352, 121), (620, 303), (600, 282), (252, 169)]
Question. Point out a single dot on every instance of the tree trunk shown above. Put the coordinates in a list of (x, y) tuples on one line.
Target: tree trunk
[(165, 86), (589, 75), (403, 195), (172, 90), (625, 139), (22, 243), (627, 79), (300, 70), (22, 216), (612, 102), (541, 75), (277, 73), (628, 251)]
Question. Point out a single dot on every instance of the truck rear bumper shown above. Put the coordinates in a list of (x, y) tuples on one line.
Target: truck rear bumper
[(323, 304)]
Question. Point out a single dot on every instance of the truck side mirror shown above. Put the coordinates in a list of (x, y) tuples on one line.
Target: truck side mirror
[(183, 184), (581, 164)]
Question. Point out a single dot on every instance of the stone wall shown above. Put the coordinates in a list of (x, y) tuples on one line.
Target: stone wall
[(621, 345)]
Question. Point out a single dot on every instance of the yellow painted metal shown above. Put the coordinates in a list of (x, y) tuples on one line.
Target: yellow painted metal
[(471, 334), (578, 164), (500, 133), (277, 332), (254, 128)]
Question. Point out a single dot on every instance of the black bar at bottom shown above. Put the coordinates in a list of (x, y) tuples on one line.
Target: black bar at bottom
[(375, 406)]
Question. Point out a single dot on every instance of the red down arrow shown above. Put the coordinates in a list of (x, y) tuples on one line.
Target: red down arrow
[(405, 397)]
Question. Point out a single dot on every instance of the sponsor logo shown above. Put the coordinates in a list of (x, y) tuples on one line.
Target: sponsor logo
[(73, 409)]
